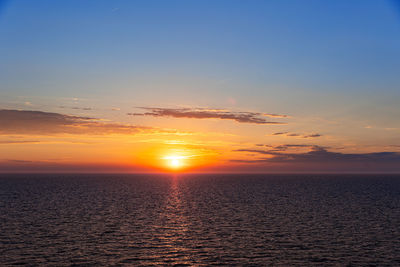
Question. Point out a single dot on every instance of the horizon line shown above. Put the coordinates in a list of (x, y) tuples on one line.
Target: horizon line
[(200, 173)]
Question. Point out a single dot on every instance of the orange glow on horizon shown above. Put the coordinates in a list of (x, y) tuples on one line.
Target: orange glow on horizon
[(98, 153), (167, 156)]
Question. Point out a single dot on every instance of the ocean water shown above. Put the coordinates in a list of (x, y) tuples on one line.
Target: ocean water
[(200, 220)]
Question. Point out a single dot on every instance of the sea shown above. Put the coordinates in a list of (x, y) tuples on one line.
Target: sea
[(199, 220)]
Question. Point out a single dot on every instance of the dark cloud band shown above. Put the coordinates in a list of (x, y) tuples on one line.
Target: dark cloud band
[(321, 155), (200, 113), (297, 135), (45, 123)]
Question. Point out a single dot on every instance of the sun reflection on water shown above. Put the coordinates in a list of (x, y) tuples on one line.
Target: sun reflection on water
[(173, 225)]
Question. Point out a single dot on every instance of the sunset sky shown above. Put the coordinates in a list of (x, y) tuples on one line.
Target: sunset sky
[(200, 86)]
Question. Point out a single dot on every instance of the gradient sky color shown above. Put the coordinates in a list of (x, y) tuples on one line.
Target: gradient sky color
[(249, 86)]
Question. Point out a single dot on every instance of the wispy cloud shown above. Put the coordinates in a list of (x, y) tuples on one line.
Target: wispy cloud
[(18, 161), (280, 133), (295, 146), (274, 115), (288, 134), (76, 108), (204, 113), (283, 147), (10, 142), (312, 135), (45, 123)]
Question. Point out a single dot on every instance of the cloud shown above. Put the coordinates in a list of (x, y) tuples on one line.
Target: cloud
[(45, 123), (76, 108), (18, 161), (10, 142), (279, 133), (278, 148), (297, 135), (273, 115), (312, 135), (319, 154), (291, 146), (202, 113)]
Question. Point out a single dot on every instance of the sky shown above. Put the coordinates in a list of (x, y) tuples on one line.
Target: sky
[(200, 86)]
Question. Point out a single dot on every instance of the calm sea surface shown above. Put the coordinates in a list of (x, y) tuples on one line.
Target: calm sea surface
[(257, 220)]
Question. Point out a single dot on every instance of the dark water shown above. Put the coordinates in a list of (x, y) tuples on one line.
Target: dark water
[(257, 220)]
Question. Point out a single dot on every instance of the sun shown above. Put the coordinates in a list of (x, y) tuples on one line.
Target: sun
[(174, 161)]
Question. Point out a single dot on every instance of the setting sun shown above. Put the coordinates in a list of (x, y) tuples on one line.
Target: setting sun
[(174, 161)]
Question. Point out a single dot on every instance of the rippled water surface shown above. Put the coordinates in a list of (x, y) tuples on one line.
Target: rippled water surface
[(279, 220)]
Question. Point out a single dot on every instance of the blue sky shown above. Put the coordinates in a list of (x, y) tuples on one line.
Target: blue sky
[(322, 45)]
